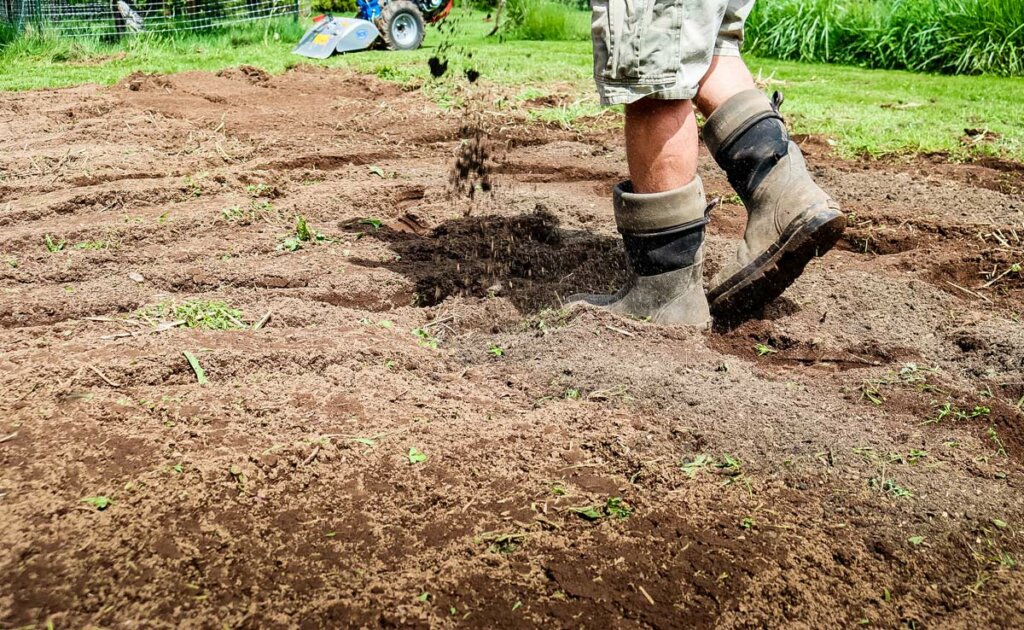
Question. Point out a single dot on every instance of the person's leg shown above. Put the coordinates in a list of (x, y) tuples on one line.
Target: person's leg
[(661, 144), (727, 77), (661, 214), (650, 55), (790, 220)]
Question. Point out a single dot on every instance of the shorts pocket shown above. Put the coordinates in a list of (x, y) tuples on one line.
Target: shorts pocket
[(636, 40)]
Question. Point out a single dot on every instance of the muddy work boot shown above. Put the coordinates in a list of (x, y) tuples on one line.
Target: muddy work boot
[(790, 220), (663, 234)]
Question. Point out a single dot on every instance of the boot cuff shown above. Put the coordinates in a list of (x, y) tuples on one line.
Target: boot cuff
[(637, 213), (731, 115)]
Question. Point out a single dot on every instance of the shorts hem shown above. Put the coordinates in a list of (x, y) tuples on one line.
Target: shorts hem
[(727, 47), (624, 94)]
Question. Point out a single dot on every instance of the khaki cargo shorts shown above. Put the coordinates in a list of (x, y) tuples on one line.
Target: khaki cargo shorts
[(661, 48)]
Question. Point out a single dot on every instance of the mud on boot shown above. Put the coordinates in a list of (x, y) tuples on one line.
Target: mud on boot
[(790, 220), (663, 234)]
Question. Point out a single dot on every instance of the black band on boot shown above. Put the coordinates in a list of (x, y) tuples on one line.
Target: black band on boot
[(755, 144), (654, 253), (753, 152)]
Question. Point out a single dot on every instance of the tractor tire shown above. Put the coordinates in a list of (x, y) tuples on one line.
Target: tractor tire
[(401, 25)]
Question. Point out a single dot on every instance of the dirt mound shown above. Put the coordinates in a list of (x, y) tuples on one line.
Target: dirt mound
[(249, 74), (145, 81), (401, 423)]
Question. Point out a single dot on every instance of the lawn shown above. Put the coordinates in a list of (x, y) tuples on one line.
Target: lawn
[(863, 112)]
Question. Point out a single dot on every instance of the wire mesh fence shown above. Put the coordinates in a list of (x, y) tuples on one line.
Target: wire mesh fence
[(114, 18)]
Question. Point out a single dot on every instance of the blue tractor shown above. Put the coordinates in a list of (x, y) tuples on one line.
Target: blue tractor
[(397, 24)]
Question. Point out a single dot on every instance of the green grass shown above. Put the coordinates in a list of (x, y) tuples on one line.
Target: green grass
[(863, 112), (953, 36), (547, 20)]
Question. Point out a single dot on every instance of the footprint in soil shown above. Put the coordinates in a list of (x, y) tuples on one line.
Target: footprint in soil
[(527, 258)]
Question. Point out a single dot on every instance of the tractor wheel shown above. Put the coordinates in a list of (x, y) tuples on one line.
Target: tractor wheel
[(401, 25)]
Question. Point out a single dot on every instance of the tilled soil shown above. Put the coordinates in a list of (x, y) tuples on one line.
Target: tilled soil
[(850, 455)]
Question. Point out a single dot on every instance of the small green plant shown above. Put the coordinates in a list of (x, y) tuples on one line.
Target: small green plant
[(53, 246), (234, 214), (426, 339), (870, 390), (951, 411), (571, 393), (916, 540), (416, 456), (99, 502), (206, 314), (615, 507), (496, 351), (888, 486), (697, 464), (588, 512), (258, 190), (558, 489), (192, 186), (376, 224), (915, 455), (92, 245), (303, 234), (502, 542), (748, 523), (1000, 447), (763, 350)]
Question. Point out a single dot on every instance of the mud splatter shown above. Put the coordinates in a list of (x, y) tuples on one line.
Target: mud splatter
[(437, 67), (471, 172)]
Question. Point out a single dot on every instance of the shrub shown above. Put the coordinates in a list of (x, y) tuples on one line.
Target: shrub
[(547, 20), (953, 36), (334, 6)]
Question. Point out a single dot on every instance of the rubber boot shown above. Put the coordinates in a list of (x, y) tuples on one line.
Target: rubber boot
[(790, 220), (663, 234)]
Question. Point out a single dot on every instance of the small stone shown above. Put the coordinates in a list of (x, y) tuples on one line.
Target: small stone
[(136, 277)]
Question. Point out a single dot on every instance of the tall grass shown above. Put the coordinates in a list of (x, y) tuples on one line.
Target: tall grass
[(49, 45), (949, 36), (547, 20)]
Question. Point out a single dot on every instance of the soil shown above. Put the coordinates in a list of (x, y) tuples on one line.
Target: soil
[(852, 454)]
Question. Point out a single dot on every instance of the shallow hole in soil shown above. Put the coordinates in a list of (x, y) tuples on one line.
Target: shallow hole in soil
[(526, 258), (879, 242), (757, 340), (981, 274)]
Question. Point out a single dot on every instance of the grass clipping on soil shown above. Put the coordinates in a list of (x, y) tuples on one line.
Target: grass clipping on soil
[(206, 314)]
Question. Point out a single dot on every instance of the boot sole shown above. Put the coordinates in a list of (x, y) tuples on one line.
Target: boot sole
[(770, 274)]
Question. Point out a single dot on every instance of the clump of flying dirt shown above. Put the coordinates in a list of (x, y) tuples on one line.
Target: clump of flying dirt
[(471, 172), (437, 67)]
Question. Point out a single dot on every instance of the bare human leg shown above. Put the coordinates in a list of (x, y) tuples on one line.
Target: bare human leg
[(661, 144), (727, 77)]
